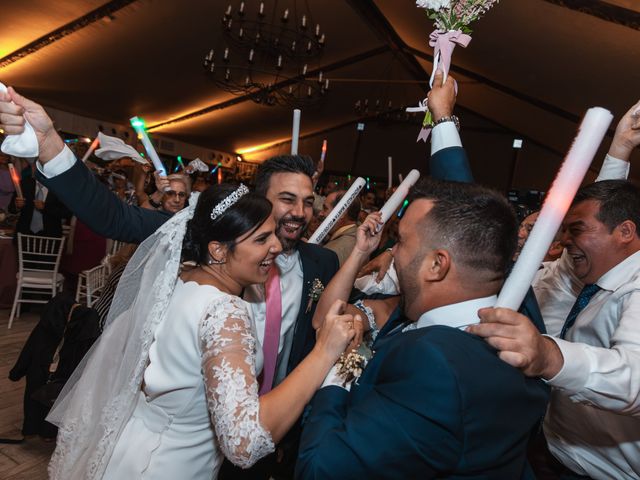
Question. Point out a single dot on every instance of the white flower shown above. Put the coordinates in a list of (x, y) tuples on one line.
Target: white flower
[(433, 4)]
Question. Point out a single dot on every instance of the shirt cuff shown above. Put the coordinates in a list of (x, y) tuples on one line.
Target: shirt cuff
[(613, 169), (58, 164), (574, 374), (333, 379), (444, 135)]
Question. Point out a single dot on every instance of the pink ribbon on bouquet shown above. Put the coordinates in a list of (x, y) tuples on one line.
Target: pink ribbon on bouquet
[(443, 44)]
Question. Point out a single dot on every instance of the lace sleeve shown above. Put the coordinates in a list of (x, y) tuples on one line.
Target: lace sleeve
[(228, 365)]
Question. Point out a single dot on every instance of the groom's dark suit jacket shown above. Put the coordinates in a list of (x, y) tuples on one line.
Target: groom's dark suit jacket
[(434, 402)]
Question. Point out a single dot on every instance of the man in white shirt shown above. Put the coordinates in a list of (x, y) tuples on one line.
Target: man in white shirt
[(593, 358)]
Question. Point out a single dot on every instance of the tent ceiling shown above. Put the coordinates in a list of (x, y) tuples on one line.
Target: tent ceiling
[(532, 69)]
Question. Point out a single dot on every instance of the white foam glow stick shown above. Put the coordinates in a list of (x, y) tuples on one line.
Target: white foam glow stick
[(390, 173), (399, 195), (16, 180), (295, 133), (138, 125), (91, 149), (346, 200), (592, 130), (323, 154), (400, 177)]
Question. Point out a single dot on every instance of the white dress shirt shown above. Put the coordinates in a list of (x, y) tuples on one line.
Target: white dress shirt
[(58, 164), (456, 315), (593, 424), (291, 279)]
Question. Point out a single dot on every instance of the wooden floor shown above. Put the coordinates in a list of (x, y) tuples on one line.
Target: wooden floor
[(27, 460)]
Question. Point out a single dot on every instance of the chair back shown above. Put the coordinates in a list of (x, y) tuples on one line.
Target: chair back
[(39, 254), (96, 280), (113, 246)]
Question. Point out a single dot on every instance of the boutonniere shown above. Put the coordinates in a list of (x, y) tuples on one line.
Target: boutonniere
[(314, 294), (351, 365)]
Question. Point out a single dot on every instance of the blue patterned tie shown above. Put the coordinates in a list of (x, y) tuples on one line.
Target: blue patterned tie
[(587, 292)]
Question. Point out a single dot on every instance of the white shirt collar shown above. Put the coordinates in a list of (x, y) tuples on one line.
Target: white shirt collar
[(287, 261), (456, 315), (620, 274)]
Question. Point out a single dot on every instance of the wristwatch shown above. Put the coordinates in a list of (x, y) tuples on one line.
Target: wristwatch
[(154, 204), (452, 118)]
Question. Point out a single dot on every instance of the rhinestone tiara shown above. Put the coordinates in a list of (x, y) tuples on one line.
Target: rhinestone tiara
[(232, 198)]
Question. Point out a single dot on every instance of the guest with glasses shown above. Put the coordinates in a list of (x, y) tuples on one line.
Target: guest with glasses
[(171, 194)]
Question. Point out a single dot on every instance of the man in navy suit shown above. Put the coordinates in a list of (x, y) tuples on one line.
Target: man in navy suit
[(434, 401)]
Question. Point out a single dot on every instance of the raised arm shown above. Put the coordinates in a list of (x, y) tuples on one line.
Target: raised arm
[(71, 181), (247, 426), (448, 159), (96, 206), (625, 140), (339, 288)]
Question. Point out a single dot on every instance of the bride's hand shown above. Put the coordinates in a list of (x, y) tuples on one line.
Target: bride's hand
[(357, 338), (337, 331)]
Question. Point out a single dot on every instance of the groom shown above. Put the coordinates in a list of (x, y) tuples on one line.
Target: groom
[(434, 401)]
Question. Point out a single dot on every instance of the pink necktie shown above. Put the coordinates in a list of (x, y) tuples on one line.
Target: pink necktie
[(271, 329)]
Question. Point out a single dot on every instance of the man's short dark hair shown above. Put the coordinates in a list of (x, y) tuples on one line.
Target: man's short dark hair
[(619, 201), (282, 164), (477, 225), (354, 209)]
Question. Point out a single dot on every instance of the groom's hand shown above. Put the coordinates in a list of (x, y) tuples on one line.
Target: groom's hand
[(15, 109)]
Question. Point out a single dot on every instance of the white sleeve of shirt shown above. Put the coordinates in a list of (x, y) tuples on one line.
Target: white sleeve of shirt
[(333, 379), (613, 169), (58, 164), (607, 378), (444, 135)]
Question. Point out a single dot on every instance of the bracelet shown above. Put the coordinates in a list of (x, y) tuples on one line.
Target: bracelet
[(371, 318), (452, 118), (154, 204)]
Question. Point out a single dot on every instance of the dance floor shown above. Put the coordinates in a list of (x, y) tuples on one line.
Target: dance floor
[(27, 460)]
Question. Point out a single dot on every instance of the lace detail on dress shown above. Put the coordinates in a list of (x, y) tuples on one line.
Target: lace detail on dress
[(228, 364)]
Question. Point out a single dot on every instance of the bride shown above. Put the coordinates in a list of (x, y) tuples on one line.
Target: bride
[(172, 385)]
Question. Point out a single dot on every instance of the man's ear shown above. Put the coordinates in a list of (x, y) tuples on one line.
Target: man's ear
[(626, 232), (436, 265)]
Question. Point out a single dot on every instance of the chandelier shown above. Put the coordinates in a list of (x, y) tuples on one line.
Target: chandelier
[(384, 110), (266, 57)]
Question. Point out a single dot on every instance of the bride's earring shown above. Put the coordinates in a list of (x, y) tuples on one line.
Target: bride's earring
[(213, 261)]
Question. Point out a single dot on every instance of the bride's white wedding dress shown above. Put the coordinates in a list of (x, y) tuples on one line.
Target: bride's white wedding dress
[(199, 398)]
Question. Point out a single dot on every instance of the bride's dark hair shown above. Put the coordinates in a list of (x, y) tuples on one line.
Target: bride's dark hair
[(246, 215)]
